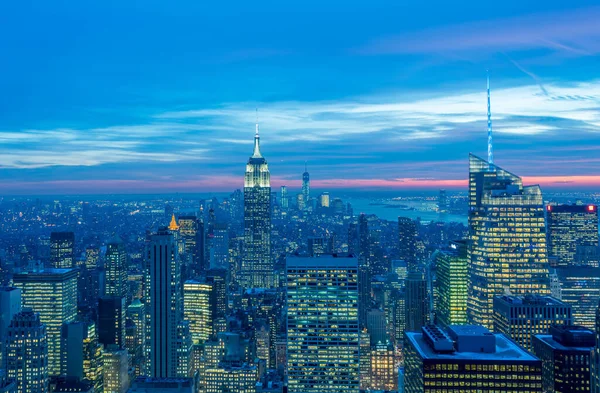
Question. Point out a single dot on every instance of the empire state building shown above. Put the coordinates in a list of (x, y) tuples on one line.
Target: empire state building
[(257, 264)]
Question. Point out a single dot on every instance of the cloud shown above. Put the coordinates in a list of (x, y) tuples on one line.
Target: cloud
[(351, 142), (576, 32)]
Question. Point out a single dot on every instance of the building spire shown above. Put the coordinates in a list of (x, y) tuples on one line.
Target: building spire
[(489, 125), (305, 166), (173, 225), (256, 153)]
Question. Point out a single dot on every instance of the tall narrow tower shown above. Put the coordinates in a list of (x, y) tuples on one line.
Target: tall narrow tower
[(257, 264), (306, 186), (489, 125)]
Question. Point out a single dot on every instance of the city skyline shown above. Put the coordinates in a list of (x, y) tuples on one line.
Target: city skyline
[(397, 104)]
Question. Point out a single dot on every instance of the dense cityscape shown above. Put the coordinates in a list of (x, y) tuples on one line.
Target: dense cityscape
[(292, 290)]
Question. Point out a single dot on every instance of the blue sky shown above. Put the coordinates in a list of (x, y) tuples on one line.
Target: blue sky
[(156, 96)]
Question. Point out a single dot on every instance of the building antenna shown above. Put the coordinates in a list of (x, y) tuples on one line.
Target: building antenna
[(256, 122), (490, 146)]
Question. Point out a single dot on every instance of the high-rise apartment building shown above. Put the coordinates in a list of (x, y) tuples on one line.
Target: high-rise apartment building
[(407, 242), (164, 305), (452, 282), (507, 239), (26, 352), (467, 358), (520, 318), (257, 264), (323, 326), (53, 294), (116, 268), (573, 235), (62, 250), (136, 313), (566, 358)]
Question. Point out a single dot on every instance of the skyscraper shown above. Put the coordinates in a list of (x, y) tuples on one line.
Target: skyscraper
[(116, 268), (284, 199), (10, 305), (116, 377), (573, 235), (507, 238), (164, 305), (111, 321), (197, 308), (191, 230), (306, 186), (62, 250), (365, 272), (520, 318), (257, 264), (467, 358), (451, 282), (566, 357), (53, 294), (417, 313), (81, 353), (596, 355), (322, 320), (136, 312), (407, 246), (580, 288), (26, 355)]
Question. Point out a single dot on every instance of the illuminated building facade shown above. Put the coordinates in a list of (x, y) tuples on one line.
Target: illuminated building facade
[(580, 288), (324, 200), (116, 378), (507, 239), (197, 309), (322, 324), (573, 235), (191, 230), (384, 370), (596, 355), (136, 312), (306, 187), (62, 250), (26, 353), (240, 379), (81, 356), (452, 283), (164, 305), (520, 318), (53, 294), (566, 358), (116, 268), (257, 264), (467, 358), (284, 198), (92, 256)]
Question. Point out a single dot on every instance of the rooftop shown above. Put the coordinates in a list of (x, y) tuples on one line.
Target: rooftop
[(324, 260), (531, 300), (505, 350)]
